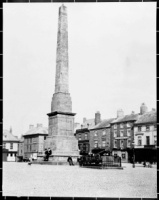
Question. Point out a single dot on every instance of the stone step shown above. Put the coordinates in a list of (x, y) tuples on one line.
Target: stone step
[(100, 167), (50, 163)]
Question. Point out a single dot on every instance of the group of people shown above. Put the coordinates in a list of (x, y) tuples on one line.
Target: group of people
[(147, 164), (48, 152)]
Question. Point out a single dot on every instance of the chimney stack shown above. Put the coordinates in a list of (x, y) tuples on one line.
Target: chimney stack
[(97, 117), (39, 125), (120, 113), (84, 120), (132, 112), (143, 108), (81, 126), (31, 126)]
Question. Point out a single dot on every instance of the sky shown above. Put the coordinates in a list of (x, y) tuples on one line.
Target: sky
[(112, 60)]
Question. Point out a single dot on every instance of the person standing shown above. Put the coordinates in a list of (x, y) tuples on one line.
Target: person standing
[(30, 160), (46, 155), (70, 160), (49, 153)]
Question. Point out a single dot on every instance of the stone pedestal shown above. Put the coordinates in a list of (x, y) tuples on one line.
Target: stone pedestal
[(61, 139)]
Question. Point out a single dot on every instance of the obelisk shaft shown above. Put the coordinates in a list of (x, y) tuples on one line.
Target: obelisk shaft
[(61, 100), (61, 83)]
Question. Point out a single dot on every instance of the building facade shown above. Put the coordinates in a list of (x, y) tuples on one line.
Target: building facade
[(20, 153), (34, 140), (100, 136), (145, 134), (82, 133), (122, 136), (83, 137), (10, 146)]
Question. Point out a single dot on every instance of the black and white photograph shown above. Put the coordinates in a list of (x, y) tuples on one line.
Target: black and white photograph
[(79, 100)]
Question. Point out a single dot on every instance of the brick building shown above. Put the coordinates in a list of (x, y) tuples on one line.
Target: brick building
[(122, 136), (10, 146), (34, 141), (100, 137), (145, 135)]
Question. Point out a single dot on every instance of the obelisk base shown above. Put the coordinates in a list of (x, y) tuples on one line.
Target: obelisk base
[(62, 147)]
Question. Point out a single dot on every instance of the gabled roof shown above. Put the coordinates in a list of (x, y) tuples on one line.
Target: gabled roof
[(149, 117), (126, 118), (37, 130), (8, 136), (103, 123)]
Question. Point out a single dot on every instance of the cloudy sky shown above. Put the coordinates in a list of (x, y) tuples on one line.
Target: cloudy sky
[(112, 62)]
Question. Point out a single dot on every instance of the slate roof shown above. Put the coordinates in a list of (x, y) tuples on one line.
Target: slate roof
[(8, 136), (126, 118), (103, 123), (37, 130), (149, 117)]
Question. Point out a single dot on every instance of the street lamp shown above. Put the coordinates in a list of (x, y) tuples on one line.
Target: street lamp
[(133, 143)]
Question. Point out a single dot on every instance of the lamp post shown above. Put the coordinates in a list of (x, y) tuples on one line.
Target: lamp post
[(133, 143)]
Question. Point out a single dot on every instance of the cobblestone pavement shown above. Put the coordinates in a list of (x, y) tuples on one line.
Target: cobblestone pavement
[(20, 179)]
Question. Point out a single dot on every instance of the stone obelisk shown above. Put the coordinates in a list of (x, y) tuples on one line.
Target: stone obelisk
[(61, 137)]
